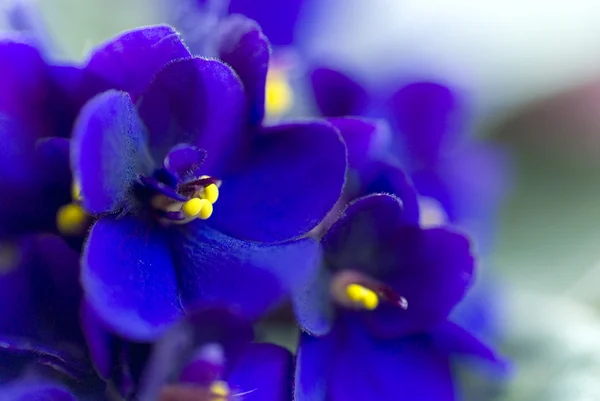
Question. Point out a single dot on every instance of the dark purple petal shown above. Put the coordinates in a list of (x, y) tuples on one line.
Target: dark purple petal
[(263, 373), (357, 367), (243, 46), (251, 278), (280, 30), (99, 342), (312, 304), (109, 152), (425, 115), (130, 61), (34, 391), (292, 178), (184, 162), (129, 278), (337, 95), (365, 139), (196, 101), (175, 356)]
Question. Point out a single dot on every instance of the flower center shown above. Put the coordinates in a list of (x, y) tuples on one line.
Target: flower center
[(354, 290), (189, 201), (71, 219)]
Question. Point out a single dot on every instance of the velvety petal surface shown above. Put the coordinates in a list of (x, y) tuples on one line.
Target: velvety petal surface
[(425, 113), (263, 373), (291, 179), (250, 278), (338, 95), (349, 365), (30, 391), (196, 101), (129, 278), (243, 46), (109, 152), (130, 60)]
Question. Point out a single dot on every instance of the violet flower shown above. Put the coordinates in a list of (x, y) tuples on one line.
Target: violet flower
[(153, 161), (380, 308), (210, 355)]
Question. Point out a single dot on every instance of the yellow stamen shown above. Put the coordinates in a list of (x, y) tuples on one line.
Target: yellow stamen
[(279, 95), (207, 210), (192, 207), (219, 389), (71, 219), (211, 193), (362, 295)]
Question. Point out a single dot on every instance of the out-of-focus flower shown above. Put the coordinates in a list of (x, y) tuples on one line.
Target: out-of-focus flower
[(153, 162), (380, 308), (210, 355)]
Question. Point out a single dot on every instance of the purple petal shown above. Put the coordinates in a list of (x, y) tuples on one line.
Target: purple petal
[(243, 46), (196, 101), (362, 367), (280, 30), (109, 152), (425, 115), (98, 341), (288, 184), (337, 95), (257, 276), (177, 352), (314, 362), (263, 373), (30, 391), (184, 162), (364, 138), (129, 279), (312, 304), (130, 61)]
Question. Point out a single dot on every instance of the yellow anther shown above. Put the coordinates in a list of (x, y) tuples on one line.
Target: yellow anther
[(279, 95), (211, 193), (207, 210), (192, 207), (76, 192), (362, 295), (71, 219), (219, 389)]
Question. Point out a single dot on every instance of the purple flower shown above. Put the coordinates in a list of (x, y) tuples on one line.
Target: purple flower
[(380, 308), (209, 355), (27, 390), (197, 201)]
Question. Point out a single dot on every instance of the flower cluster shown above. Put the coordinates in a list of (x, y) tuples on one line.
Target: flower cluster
[(152, 217)]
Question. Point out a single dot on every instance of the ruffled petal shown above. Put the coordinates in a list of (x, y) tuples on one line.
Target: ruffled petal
[(196, 101), (129, 278), (249, 277), (243, 46), (109, 152), (28, 391), (292, 178), (263, 373), (280, 30), (130, 60), (338, 95), (425, 113)]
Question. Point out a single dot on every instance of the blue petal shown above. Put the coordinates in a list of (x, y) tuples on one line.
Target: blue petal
[(249, 277), (338, 95), (98, 341), (30, 391), (355, 366), (130, 60), (109, 152), (263, 373), (285, 187), (244, 47), (196, 101), (312, 304), (129, 278)]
